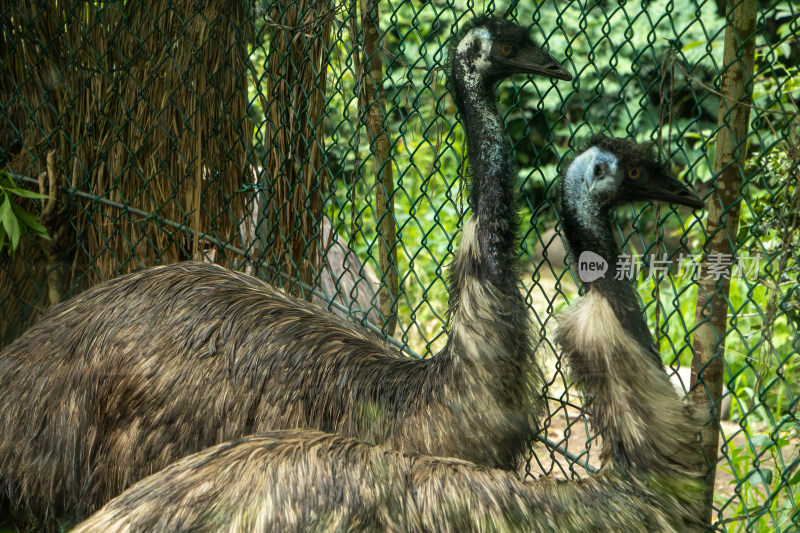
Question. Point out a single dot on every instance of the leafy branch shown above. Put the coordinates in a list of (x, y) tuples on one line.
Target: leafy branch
[(14, 220)]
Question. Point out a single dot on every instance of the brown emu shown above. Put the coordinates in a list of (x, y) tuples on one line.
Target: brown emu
[(598, 333), (140, 371), (311, 481)]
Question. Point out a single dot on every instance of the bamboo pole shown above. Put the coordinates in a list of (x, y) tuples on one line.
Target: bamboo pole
[(381, 147), (723, 223), (197, 197), (54, 218)]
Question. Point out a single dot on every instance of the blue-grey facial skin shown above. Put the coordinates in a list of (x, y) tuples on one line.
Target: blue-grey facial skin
[(600, 171), (592, 181)]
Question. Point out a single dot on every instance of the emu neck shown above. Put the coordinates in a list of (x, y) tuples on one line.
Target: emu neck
[(588, 229), (490, 323), (611, 354), (493, 185)]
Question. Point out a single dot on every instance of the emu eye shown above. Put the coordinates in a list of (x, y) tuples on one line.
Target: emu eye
[(506, 49), (634, 173)]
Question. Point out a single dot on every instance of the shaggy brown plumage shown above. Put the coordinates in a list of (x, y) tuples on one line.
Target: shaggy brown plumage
[(309, 481), (188, 355), (143, 370), (303, 480)]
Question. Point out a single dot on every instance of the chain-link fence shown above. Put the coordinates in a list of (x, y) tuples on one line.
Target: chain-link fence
[(313, 144)]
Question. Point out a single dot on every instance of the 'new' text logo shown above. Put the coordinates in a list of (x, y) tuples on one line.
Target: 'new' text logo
[(591, 267)]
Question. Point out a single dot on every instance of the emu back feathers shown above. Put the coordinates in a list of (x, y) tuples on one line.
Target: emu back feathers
[(138, 372), (309, 481)]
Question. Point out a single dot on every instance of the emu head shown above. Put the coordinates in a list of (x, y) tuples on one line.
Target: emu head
[(611, 172), (489, 49)]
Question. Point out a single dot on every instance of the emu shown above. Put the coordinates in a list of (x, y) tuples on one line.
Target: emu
[(608, 322), (135, 373), (305, 480)]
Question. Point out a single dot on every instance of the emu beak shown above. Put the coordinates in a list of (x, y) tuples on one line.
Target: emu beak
[(539, 63), (673, 191)]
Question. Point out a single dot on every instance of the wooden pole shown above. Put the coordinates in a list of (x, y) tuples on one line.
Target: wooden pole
[(381, 148), (54, 218), (723, 223)]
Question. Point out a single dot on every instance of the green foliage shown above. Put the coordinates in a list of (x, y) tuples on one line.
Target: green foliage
[(768, 489), (15, 221), (428, 142), (427, 234)]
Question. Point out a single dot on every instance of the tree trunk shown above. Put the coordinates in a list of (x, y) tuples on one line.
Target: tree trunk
[(373, 101), (723, 223)]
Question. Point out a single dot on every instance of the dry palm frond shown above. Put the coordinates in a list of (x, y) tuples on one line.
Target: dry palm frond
[(144, 104), (294, 174)]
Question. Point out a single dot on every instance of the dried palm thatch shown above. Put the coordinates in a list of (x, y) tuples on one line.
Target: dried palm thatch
[(22, 283), (294, 175), (22, 277), (144, 104)]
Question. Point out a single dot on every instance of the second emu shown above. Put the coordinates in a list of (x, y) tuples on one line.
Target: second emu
[(311, 481), (133, 374)]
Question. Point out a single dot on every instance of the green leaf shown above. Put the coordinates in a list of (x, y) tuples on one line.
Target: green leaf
[(14, 232), (2, 236), (9, 220), (28, 194), (6, 214), (693, 44), (761, 440), (766, 475), (42, 234), (28, 219)]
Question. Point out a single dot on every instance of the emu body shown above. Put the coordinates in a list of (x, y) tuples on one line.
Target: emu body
[(103, 399), (308, 481), (138, 372), (303, 480)]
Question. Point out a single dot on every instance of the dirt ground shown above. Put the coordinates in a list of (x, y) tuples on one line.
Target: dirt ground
[(569, 431)]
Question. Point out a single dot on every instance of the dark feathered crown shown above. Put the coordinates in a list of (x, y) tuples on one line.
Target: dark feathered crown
[(509, 31), (633, 154)]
